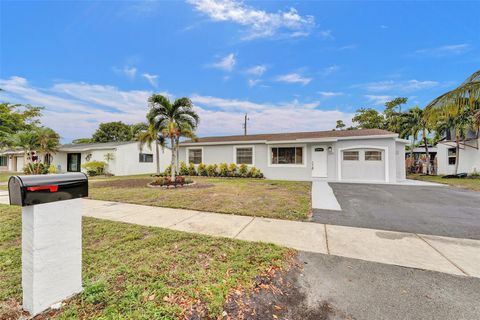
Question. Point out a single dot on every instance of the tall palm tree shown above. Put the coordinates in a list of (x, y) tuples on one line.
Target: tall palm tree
[(48, 142), (172, 120), (149, 136), (459, 107), (28, 141), (412, 124)]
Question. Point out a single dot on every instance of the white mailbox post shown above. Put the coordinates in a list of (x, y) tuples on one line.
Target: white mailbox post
[(51, 237)]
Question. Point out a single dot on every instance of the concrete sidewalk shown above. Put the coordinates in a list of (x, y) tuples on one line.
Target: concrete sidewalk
[(448, 255)]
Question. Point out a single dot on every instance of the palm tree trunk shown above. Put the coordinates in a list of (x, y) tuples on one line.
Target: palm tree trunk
[(157, 152), (172, 164), (411, 154), (426, 150), (457, 152)]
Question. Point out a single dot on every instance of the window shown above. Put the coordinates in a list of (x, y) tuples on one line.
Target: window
[(373, 155), (350, 155), (145, 157), (287, 155), (452, 156), (195, 156), (244, 155), (3, 161)]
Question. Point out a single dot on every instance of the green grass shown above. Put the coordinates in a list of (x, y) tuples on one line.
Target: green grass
[(252, 197), (471, 184), (4, 176), (135, 272)]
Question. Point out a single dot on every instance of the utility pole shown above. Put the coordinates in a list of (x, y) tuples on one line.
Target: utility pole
[(245, 124)]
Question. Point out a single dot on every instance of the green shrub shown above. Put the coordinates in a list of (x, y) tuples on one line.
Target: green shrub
[(232, 170), (223, 170), (183, 170), (35, 168), (243, 170), (94, 168), (255, 173), (212, 170), (168, 171), (202, 170), (191, 170), (52, 169)]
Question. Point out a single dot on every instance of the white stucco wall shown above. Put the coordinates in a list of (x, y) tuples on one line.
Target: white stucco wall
[(215, 154), (469, 159), (400, 161)]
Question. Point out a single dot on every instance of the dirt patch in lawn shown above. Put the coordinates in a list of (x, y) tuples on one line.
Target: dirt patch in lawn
[(277, 296)]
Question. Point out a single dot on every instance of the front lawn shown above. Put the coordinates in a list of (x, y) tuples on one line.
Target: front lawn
[(251, 197), (135, 272), (471, 184)]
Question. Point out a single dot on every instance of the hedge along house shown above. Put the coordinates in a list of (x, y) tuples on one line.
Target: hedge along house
[(364, 155), (127, 158)]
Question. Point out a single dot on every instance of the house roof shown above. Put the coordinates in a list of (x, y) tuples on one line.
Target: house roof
[(87, 146), (293, 136)]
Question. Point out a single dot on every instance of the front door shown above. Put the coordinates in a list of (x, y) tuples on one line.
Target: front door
[(319, 161), (73, 162)]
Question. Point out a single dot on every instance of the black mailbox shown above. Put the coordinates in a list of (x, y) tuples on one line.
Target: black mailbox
[(37, 189)]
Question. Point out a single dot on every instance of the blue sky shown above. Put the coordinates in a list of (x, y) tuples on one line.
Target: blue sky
[(293, 66)]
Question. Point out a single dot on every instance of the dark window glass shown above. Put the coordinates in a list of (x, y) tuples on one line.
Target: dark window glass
[(244, 155), (350, 155), (452, 156), (195, 156), (373, 155), (145, 157), (287, 155), (3, 161)]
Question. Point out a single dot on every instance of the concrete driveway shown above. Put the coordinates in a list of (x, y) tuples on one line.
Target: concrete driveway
[(443, 211)]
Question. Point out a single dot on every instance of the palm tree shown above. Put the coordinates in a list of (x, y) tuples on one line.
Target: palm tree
[(172, 120), (460, 108), (28, 141), (149, 136), (48, 142), (411, 125)]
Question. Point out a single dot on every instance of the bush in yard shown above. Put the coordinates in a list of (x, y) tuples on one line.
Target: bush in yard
[(202, 170), (232, 170), (35, 168), (212, 170), (94, 168), (191, 170), (243, 170), (183, 170), (52, 169), (223, 170), (255, 173), (168, 171)]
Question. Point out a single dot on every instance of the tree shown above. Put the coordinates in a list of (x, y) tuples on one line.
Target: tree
[(149, 136), (48, 142), (112, 132), (138, 128), (82, 140), (369, 119), (15, 118), (340, 125), (172, 120), (28, 141), (393, 118), (414, 122), (458, 109)]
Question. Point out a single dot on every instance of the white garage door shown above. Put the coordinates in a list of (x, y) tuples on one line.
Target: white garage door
[(363, 165)]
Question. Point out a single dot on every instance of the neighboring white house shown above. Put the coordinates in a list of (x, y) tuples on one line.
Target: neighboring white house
[(469, 157), (128, 158), (365, 155)]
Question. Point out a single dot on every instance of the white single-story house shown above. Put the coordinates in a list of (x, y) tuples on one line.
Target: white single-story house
[(469, 157), (364, 155), (128, 158)]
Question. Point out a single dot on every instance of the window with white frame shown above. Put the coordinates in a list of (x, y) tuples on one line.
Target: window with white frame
[(350, 155), (195, 156), (371, 155), (3, 161), (452, 156), (287, 155), (244, 155)]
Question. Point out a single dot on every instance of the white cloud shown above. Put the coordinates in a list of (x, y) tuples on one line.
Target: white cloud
[(258, 23), (294, 78), (75, 109), (226, 63), (258, 70), (151, 78), (403, 86), (253, 82), (329, 94), (447, 50), (378, 100), (129, 72)]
